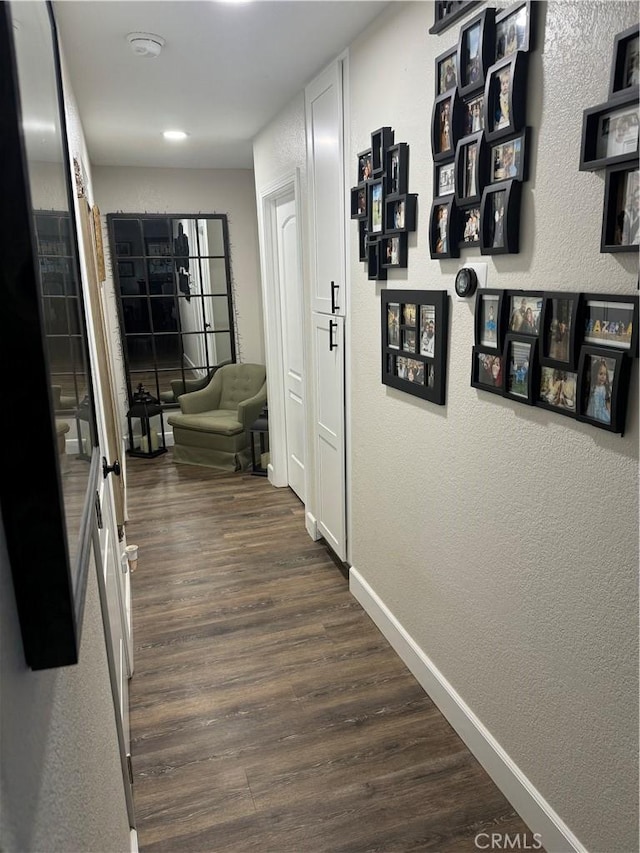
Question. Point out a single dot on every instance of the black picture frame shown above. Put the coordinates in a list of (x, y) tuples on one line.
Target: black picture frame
[(381, 139), (443, 228), (603, 404), (444, 178), (123, 249), (606, 319), (500, 218), (365, 167), (609, 134), (557, 390), (515, 29), (561, 326), (397, 169), (487, 369), (375, 206), (624, 77), (447, 12), (359, 202), (394, 251), (509, 158), (400, 213), (476, 51), (423, 371), (470, 172), (473, 113), (126, 269), (446, 71), (621, 210), (375, 269), (523, 312), (468, 219), (363, 235), (520, 368), (447, 121), (490, 319), (48, 520), (505, 97)]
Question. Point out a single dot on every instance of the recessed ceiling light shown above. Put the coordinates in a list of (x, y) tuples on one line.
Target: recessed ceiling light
[(175, 135)]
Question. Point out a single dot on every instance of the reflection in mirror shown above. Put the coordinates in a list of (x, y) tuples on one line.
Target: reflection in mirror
[(173, 279)]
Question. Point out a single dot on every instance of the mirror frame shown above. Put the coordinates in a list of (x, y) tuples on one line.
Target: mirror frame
[(50, 588)]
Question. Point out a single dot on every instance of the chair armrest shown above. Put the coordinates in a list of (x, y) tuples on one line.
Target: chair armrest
[(202, 401), (248, 410)]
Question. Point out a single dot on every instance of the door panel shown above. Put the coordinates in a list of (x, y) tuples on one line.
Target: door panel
[(326, 184), (328, 345), (292, 340)]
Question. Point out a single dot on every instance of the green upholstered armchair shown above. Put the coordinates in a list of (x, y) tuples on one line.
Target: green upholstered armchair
[(185, 386), (212, 428)]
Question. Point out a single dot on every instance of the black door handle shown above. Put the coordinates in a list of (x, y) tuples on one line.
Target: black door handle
[(334, 307), (332, 345), (108, 469)]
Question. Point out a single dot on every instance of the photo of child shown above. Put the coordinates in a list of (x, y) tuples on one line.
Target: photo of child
[(376, 208), (488, 321), (520, 355), (505, 160), (558, 388), (599, 373), (502, 112)]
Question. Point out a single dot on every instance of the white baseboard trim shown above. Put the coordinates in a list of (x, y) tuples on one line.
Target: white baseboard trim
[(521, 793), (312, 525), (133, 837)]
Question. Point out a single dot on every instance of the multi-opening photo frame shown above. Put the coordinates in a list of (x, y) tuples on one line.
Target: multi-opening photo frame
[(621, 214), (414, 330)]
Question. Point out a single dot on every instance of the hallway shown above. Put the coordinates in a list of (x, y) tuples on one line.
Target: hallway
[(267, 711)]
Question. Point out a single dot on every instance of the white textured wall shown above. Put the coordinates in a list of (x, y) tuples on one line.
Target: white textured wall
[(505, 538), (61, 782), (230, 191)]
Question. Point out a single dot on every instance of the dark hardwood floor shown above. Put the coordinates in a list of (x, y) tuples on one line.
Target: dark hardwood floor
[(268, 713)]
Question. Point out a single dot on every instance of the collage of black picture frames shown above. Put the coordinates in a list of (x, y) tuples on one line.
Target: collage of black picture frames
[(479, 138), (569, 353), (384, 209), (610, 141), (414, 329)]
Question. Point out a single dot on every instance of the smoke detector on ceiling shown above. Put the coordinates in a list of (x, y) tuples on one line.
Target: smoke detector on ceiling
[(145, 44)]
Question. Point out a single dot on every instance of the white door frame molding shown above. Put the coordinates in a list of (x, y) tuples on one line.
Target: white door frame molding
[(272, 309)]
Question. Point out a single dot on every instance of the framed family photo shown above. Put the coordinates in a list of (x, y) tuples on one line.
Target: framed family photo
[(444, 179), (621, 214), (375, 206), (469, 223), (394, 251), (400, 214), (486, 370), (514, 29), (525, 312), (609, 134), (558, 390), (476, 51), (490, 318), (500, 218), (473, 114), (560, 326), (447, 120), (470, 162), (603, 381), (520, 368), (443, 232), (447, 71), (414, 342), (397, 169), (625, 66), (505, 97), (508, 158)]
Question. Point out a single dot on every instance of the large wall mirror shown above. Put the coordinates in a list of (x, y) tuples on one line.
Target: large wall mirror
[(51, 458), (173, 281)]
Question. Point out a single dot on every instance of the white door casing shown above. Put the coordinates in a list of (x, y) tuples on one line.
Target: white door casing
[(328, 360), (325, 158), (290, 283)]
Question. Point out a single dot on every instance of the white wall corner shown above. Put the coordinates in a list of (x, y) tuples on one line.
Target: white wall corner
[(312, 525), (521, 793)]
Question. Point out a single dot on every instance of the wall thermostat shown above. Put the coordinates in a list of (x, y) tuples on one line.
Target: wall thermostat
[(466, 282)]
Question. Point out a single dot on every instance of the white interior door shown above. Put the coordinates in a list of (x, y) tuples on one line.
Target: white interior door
[(328, 350), (290, 284), (324, 118)]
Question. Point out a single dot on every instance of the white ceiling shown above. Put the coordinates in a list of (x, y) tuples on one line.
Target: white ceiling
[(226, 69)]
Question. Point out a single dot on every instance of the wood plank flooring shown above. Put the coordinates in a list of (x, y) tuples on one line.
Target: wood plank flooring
[(267, 711)]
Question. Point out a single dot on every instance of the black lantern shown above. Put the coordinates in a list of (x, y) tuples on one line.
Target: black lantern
[(146, 426), (259, 435)]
